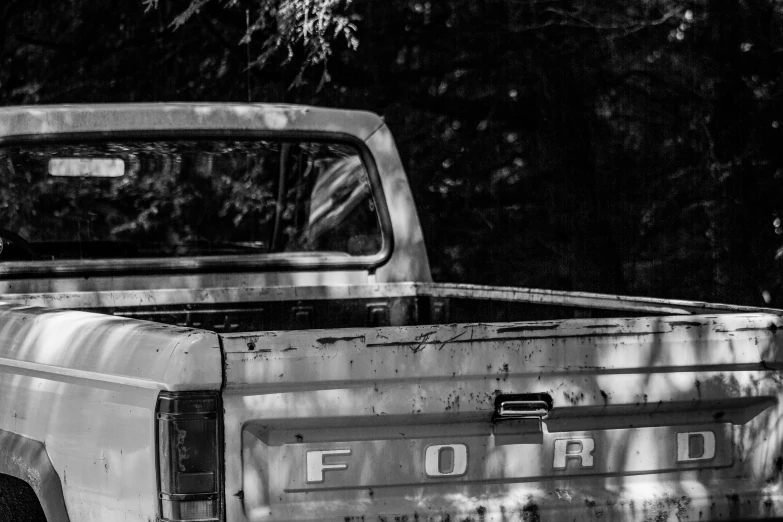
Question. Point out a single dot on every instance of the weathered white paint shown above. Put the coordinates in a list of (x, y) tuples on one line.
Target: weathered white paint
[(85, 385), (43, 120), (262, 287)]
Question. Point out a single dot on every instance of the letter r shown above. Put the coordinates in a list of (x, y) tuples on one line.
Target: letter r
[(586, 446), (316, 466)]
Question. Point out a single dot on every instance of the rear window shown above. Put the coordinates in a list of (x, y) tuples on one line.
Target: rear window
[(180, 198)]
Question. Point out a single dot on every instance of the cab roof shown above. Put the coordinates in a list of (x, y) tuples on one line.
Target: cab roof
[(47, 120)]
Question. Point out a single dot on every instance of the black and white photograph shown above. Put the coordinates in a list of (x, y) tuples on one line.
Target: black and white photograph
[(391, 260)]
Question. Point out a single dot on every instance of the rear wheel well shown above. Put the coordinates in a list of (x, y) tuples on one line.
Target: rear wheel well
[(18, 501)]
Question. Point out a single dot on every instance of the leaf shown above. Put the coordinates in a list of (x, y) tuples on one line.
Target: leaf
[(291, 29)]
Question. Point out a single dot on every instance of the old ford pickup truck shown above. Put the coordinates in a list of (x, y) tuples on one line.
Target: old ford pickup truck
[(223, 312)]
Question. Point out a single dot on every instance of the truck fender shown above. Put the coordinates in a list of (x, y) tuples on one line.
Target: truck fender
[(27, 460)]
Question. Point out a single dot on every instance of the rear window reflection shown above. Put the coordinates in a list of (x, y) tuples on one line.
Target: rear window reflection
[(136, 199)]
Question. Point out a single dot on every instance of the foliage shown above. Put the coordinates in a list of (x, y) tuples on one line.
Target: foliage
[(597, 146), (290, 29), (603, 146)]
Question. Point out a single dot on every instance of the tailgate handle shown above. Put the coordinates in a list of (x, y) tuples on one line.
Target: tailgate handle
[(522, 406), (523, 409)]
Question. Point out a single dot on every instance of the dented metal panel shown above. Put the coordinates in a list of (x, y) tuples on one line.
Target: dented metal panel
[(658, 416)]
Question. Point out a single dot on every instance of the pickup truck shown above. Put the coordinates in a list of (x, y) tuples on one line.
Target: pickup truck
[(224, 312)]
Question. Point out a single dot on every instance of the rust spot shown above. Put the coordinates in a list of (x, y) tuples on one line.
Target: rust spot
[(251, 346), (682, 512), (444, 343), (527, 328), (601, 326), (529, 513), (417, 348), (772, 327), (778, 465), (332, 340)]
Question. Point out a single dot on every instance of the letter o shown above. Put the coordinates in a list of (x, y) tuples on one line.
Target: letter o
[(459, 460)]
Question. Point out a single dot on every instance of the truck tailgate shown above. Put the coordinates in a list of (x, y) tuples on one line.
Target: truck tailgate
[(653, 418)]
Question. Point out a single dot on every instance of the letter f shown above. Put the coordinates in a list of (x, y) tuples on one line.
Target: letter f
[(316, 465)]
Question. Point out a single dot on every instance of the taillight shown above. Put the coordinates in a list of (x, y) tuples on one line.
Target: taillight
[(189, 456)]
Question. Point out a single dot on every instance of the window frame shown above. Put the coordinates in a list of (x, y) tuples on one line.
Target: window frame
[(266, 262)]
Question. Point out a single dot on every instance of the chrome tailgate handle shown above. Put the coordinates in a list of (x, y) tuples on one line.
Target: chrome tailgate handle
[(522, 406), (517, 409)]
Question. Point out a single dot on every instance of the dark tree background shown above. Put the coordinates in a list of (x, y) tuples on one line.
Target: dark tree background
[(615, 146)]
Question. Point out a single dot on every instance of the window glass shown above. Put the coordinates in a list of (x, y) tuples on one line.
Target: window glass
[(134, 199)]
